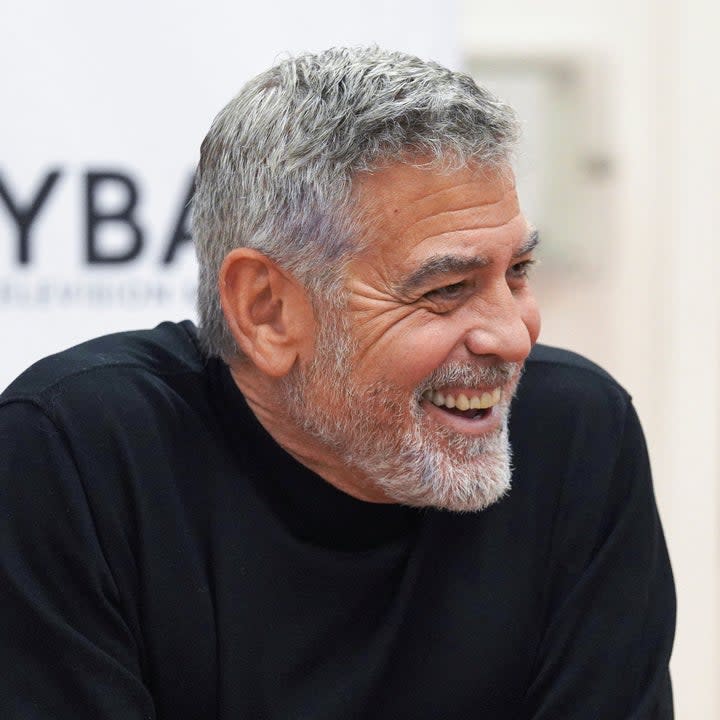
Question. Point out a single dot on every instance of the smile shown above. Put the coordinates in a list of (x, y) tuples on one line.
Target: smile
[(468, 400)]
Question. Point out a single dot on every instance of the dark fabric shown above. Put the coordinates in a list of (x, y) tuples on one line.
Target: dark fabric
[(162, 557)]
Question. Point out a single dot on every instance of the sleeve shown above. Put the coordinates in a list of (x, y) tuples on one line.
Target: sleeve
[(611, 601), (67, 652)]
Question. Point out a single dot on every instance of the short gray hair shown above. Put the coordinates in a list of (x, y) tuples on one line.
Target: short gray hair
[(277, 166)]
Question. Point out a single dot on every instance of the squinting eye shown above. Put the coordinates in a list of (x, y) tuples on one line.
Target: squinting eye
[(447, 292), (521, 269)]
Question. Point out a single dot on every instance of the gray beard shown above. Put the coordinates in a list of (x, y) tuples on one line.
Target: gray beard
[(424, 466)]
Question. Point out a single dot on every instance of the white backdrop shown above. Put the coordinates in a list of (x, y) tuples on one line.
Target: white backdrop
[(103, 111)]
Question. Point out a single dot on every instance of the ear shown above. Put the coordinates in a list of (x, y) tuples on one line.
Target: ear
[(268, 312)]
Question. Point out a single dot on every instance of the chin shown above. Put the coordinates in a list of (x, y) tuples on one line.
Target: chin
[(468, 476)]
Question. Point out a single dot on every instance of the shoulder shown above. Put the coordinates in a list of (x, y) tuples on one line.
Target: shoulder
[(570, 419), (108, 369), (127, 414), (114, 383), (578, 447), (579, 453), (165, 350), (564, 388), (551, 366)]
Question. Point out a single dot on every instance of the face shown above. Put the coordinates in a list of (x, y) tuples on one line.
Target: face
[(410, 385)]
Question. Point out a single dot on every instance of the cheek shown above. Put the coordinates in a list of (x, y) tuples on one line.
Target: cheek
[(408, 356)]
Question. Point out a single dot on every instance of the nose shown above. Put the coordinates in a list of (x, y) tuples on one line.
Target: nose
[(504, 325)]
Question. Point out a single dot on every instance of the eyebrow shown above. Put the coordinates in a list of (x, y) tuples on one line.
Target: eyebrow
[(439, 265), (532, 241)]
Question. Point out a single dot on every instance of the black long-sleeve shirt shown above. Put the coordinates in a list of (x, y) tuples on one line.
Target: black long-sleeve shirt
[(162, 557)]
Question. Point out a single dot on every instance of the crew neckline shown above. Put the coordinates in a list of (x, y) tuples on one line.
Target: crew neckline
[(311, 508)]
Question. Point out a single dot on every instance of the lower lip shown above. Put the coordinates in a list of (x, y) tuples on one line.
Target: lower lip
[(467, 426)]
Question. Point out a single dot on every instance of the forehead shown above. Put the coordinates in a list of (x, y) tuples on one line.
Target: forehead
[(412, 212)]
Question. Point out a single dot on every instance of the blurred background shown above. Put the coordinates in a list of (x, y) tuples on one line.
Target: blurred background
[(104, 107)]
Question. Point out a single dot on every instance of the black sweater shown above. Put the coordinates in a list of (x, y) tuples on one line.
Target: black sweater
[(162, 557)]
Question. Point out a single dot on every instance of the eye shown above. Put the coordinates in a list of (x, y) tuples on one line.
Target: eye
[(447, 292), (521, 269)]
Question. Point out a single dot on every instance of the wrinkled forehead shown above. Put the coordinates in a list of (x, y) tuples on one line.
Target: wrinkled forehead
[(404, 208)]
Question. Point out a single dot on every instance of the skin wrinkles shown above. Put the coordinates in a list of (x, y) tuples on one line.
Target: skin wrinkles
[(456, 206), (458, 221), (423, 218), (463, 194), (437, 266), (381, 310)]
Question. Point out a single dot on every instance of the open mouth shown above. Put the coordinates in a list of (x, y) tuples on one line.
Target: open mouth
[(467, 414), (469, 405)]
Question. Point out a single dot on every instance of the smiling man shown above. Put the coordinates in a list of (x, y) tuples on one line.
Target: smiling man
[(359, 489)]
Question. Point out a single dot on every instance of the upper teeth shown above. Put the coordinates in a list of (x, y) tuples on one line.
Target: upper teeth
[(463, 401)]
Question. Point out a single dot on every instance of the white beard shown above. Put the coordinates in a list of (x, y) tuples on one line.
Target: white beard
[(464, 474)]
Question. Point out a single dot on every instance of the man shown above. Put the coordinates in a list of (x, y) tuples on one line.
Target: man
[(302, 509)]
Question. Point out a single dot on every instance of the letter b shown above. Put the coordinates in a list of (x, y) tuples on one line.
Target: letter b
[(95, 217)]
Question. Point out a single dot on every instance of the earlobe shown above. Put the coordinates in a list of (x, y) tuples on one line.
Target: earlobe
[(267, 310)]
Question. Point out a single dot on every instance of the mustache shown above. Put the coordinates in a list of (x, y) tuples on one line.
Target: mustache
[(470, 375)]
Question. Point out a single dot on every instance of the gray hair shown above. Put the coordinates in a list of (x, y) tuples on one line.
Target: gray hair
[(277, 166)]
